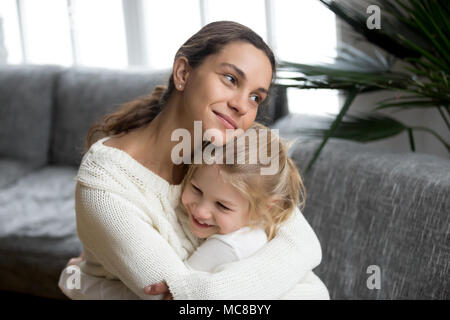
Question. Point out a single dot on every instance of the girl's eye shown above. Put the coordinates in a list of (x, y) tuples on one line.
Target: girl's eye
[(196, 189), (231, 78), (222, 206)]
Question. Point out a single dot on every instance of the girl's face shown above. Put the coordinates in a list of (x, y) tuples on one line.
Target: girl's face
[(224, 91), (213, 205)]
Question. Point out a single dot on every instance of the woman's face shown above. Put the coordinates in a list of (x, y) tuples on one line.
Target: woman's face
[(224, 91), (213, 205)]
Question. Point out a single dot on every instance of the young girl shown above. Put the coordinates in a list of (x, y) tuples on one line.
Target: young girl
[(235, 208)]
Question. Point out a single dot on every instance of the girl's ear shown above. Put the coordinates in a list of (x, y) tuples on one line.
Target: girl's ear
[(272, 201)]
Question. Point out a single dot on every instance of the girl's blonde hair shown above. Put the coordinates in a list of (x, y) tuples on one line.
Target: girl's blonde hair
[(272, 197)]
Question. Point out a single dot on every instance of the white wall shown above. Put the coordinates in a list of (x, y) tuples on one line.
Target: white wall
[(3, 54)]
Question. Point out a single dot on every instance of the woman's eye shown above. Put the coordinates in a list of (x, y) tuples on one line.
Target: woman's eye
[(222, 206), (230, 78), (257, 100)]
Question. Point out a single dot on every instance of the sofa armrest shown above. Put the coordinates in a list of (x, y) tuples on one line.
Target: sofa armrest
[(377, 207)]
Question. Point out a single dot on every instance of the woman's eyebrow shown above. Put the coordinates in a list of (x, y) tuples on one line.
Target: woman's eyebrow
[(242, 74)]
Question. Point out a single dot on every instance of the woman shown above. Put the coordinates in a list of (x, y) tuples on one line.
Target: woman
[(128, 187)]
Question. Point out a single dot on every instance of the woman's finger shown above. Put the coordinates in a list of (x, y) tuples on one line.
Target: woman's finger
[(158, 288), (168, 296)]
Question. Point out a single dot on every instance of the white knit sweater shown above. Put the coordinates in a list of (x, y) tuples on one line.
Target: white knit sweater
[(127, 223)]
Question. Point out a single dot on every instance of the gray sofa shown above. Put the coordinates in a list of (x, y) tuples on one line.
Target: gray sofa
[(368, 207)]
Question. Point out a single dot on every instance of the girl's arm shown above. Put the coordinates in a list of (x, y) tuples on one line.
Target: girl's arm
[(268, 274)]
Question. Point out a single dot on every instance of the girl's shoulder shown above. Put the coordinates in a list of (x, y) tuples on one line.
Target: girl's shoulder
[(245, 241)]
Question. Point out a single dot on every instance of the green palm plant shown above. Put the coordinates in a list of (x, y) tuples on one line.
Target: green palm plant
[(414, 33)]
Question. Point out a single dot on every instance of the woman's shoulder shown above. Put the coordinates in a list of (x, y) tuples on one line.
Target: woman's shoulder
[(106, 162), (110, 162)]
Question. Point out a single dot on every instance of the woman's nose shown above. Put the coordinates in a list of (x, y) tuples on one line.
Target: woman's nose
[(239, 104)]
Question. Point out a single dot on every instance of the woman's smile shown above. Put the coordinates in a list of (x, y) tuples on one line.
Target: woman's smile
[(227, 121)]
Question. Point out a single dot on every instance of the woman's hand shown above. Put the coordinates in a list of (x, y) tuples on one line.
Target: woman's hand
[(159, 288)]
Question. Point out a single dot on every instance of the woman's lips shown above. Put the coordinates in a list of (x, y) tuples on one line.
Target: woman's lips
[(227, 121)]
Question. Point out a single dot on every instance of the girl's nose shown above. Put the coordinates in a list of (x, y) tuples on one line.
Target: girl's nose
[(202, 212)]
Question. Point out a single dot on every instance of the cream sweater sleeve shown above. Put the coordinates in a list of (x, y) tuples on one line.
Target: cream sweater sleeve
[(268, 274), (111, 229)]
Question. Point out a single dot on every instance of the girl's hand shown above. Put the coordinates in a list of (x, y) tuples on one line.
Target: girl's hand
[(159, 288), (75, 261)]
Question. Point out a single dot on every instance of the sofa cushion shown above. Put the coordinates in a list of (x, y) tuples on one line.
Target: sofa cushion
[(378, 208), (37, 231), (12, 170), (26, 94), (85, 95)]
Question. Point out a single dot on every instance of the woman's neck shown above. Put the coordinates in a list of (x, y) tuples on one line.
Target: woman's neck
[(152, 145)]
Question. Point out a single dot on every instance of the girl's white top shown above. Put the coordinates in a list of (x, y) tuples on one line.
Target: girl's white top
[(128, 224)]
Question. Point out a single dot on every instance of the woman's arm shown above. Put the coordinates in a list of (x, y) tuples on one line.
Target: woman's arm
[(92, 287), (116, 233), (268, 274)]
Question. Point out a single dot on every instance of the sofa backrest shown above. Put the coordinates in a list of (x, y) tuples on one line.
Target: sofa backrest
[(26, 99), (85, 95), (379, 209)]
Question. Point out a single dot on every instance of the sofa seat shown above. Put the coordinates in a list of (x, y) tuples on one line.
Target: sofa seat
[(12, 170), (37, 230)]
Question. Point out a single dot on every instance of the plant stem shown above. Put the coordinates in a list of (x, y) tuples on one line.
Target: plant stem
[(444, 117), (335, 124), (447, 146), (411, 140)]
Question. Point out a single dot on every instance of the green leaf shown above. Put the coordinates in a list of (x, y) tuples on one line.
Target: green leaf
[(360, 127)]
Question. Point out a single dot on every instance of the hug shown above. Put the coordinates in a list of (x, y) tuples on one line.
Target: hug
[(152, 228)]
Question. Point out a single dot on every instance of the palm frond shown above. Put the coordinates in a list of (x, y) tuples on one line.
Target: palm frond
[(416, 35), (358, 127)]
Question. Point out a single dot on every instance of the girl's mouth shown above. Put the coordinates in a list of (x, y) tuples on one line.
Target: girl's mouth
[(200, 225)]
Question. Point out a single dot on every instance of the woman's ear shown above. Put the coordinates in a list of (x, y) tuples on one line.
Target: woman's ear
[(181, 70)]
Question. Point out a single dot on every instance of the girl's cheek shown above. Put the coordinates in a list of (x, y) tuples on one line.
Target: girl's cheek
[(186, 198)]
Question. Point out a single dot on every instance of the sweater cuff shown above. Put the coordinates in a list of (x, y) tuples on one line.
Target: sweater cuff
[(178, 287)]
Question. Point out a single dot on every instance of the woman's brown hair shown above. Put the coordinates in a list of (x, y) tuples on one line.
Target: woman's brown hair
[(208, 41)]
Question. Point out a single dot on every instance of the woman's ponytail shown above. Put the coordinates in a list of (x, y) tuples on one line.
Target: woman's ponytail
[(129, 116)]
